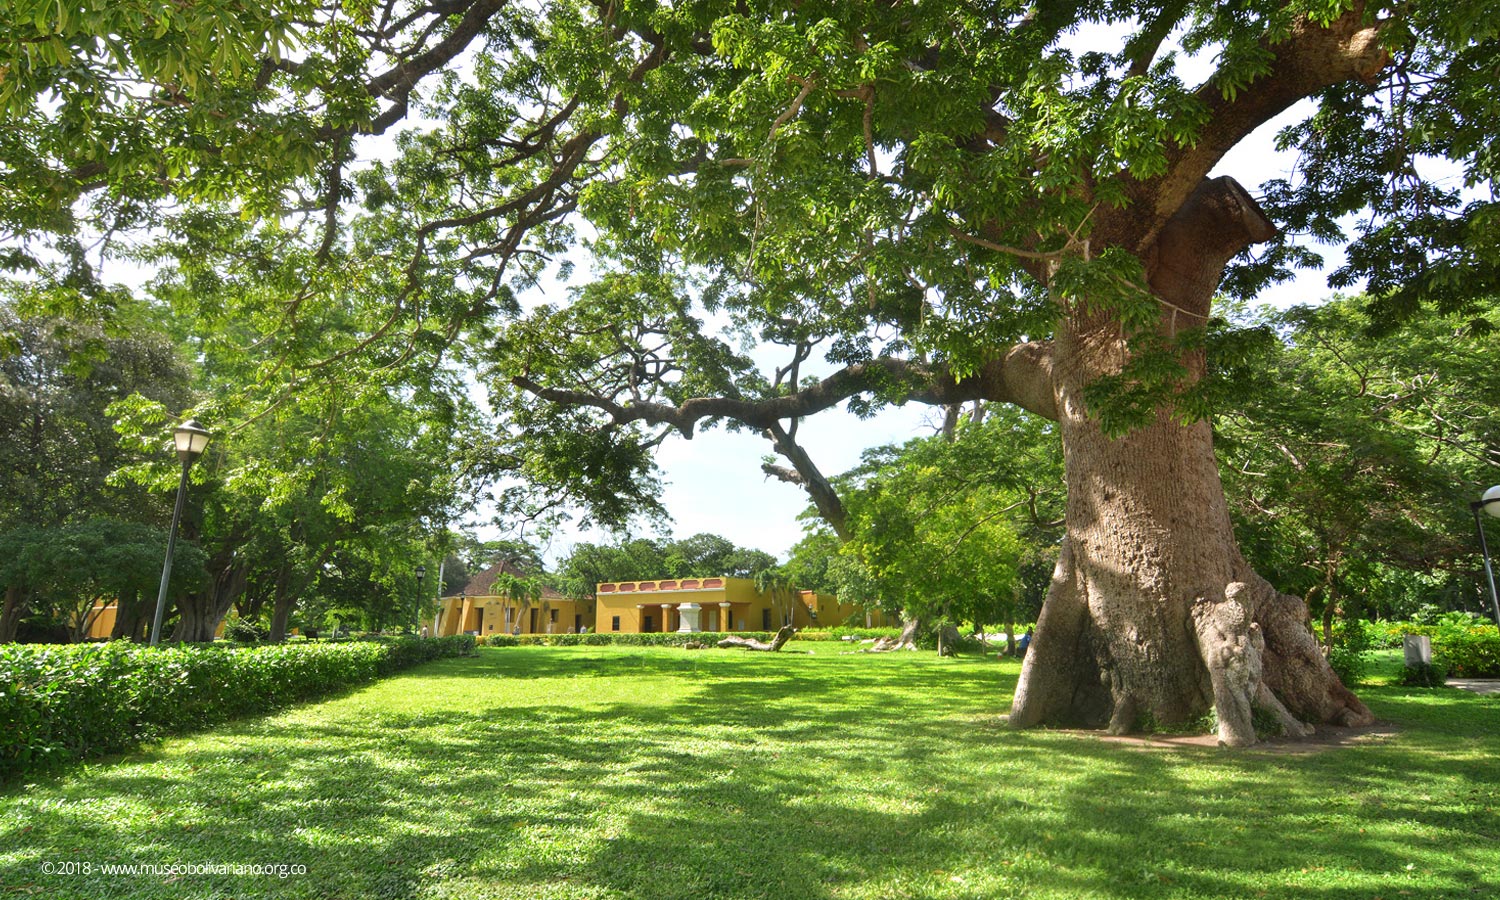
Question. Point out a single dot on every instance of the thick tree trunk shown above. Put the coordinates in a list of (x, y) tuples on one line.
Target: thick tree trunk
[(10, 614), (281, 614), (130, 618), (202, 612), (947, 640), (1153, 616)]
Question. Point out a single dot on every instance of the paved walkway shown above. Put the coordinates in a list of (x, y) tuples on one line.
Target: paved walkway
[(1477, 685)]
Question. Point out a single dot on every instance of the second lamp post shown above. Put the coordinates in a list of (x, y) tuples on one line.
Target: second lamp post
[(1490, 503), (191, 439)]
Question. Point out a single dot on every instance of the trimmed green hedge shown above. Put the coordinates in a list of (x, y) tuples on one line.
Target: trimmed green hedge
[(59, 703), (1462, 650), (967, 643), (668, 638)]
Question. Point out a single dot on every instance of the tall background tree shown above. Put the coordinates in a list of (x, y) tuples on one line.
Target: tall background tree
[(60, 378), (1350, 459), (935, 204)]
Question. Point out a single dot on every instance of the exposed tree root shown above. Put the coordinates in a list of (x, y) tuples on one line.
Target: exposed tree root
[(907, 640)]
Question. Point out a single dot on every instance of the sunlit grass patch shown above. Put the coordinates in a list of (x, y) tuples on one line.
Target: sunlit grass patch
[(604, 772)]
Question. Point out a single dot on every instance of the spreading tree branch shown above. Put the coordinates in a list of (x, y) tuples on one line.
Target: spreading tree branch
[(1022, 376)]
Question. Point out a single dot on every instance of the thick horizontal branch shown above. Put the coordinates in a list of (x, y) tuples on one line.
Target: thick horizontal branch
[(1023, 377), (1311, 59)]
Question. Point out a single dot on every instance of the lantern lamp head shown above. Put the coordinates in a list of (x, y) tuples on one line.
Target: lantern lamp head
[(191, 439)]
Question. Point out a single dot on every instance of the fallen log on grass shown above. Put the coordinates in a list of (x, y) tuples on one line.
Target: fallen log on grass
[(782, 636)]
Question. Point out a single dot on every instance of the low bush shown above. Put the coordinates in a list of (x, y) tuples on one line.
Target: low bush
[(59, 703), (850, 631), (1349, 654), (1468, 652), (673, 638), (1423, 675)]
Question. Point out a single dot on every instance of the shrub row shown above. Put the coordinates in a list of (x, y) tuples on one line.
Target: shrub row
[(71, 702), (1461, 650), (670, 638), (1468, 653), (967, 644)]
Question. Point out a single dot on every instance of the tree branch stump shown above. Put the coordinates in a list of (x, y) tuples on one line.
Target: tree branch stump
[(907, 640)]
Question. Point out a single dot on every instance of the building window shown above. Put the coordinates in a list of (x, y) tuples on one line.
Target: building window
[(553, 615), (614, 624)]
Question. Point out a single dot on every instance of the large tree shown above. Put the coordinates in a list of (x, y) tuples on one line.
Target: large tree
[(934, 203), (1350, 461)]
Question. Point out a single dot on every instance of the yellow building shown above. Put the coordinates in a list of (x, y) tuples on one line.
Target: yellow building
[(481, 609), (715, 604), (825, 611), (102, 622)]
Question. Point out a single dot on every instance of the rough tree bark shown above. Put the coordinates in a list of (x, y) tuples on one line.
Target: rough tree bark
[(202, 612), (10, 614), (1153, 612), (131, 616), (282, 603), (907, 640), (947, 640)]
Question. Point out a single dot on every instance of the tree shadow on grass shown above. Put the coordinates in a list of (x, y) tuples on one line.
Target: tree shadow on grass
[(829, 778)]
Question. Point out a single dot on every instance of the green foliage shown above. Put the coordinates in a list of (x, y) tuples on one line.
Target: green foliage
[(59, 379), (850, 631), (851, 184), (1349, 654), (1462, 646), (1468, 652), (1349, 461), (63, 703), (941, 528), (1433, 674)]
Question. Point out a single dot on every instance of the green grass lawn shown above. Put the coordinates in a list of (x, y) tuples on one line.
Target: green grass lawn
[(658, 773)]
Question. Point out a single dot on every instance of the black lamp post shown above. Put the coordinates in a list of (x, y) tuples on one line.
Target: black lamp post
[(1490, 503), (421, 571), (190, 439)]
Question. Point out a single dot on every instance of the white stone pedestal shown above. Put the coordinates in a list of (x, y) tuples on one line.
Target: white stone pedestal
[(689, 613)]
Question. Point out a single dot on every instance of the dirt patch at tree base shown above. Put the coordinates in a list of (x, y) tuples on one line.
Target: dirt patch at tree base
[(1327, 737)]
